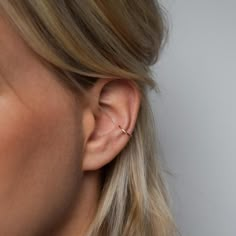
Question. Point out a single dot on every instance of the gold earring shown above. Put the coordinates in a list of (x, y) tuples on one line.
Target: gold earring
[(124, 131)]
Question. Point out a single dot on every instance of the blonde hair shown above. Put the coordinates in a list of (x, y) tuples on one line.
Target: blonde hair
[(83, 41)]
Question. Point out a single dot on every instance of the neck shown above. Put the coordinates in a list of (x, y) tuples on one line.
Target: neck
[(79, 219)]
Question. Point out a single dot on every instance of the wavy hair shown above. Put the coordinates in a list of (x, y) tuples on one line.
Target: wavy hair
[(86, 40)]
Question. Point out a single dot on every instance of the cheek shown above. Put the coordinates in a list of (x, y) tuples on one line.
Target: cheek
[(17, 142), (39, 165)]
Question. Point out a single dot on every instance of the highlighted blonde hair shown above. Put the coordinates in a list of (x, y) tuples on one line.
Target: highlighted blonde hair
[(86, 40)]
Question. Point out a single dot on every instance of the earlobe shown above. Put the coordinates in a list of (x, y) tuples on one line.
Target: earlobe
[(118, 102)]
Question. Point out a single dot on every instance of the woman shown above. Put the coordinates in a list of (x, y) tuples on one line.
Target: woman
[(77, 144)]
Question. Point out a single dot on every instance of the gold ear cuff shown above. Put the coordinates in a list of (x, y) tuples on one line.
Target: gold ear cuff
[(124, 131)]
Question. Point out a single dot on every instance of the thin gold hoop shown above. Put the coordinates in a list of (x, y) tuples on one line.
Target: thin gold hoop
[(124, 131)]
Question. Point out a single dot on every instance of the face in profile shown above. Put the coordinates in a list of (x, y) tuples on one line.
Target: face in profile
[(72, 164), (41, 140), (52, 148)]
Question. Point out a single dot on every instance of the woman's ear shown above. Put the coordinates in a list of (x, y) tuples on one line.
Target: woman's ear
[(113, 102)]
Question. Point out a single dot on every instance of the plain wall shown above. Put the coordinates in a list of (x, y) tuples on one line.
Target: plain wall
[(196, 114)]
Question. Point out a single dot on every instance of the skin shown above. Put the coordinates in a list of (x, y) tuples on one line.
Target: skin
[(52, 148)]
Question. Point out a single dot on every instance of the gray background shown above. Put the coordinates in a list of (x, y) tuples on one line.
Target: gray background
[(196, 114)]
